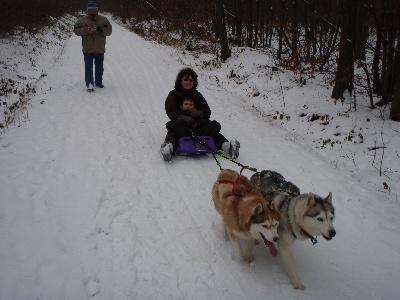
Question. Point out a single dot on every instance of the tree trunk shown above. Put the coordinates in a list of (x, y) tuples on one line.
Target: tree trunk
[(295, 33), (122, 11), (360, 35), (307, 32), (221, 27), (280, 43), (387, 92), (345, 69), (238, 22), (256, 25), (395, 109), (249, 24), (376, 80)]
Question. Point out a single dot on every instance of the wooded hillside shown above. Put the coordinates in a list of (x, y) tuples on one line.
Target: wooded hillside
[(306, 36)]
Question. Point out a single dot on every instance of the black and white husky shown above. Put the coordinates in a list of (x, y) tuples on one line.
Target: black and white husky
[(303, 216)]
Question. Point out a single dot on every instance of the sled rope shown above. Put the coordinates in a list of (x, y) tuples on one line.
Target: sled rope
[(219, 153), (213, 152), (196, 139)]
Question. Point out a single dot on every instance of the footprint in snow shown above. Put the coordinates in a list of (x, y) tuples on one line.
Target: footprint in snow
[(92, 285)]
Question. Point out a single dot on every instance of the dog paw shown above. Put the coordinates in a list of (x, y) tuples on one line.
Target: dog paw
[(298, 285), (238, 255), (249, 258)]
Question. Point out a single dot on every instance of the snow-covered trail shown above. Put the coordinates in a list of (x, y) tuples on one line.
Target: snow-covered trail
[(119, 218), (95, 213)]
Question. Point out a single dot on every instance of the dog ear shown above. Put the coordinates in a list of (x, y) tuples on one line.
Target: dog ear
[(310, 199), (258, 209), (272, 206), (329, 198)]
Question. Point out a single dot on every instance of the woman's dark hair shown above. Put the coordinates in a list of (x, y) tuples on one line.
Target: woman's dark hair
[(182, 73)]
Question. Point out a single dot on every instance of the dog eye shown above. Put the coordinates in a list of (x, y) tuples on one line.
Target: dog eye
[(265, 226), (320, 219)]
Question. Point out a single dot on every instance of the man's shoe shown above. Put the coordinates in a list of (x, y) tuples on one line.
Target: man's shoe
[(231, 148), (90, 88), (99, 85), (166, 151)]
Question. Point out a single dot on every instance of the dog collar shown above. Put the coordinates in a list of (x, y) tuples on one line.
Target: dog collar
[(313, 239), (283, 185)]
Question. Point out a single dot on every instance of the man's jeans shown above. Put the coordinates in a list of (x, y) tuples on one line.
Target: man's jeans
[(98, 65)]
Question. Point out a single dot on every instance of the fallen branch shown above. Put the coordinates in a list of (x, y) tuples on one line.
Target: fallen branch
[(375, 148)]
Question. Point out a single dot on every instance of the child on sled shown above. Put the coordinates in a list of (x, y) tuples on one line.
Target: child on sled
[(180, 125)]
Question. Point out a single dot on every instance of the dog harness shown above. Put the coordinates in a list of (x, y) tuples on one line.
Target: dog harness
[(237, 180)]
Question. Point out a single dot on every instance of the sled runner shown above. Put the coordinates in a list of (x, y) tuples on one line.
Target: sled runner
[(196, 145)]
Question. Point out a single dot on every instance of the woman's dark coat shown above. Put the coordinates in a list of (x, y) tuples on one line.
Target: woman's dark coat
[(174, 99)]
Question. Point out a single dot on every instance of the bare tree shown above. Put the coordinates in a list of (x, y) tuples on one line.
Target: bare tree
[(395, 108), (345, 68), (238, 22), (249, 23), (221, 28), (376, 81)]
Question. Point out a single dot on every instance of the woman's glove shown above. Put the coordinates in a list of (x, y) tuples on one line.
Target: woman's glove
[(188, 119), (194, 113), (100, 29)]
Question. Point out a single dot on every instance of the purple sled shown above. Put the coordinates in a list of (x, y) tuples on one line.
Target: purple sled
[(188, 145)]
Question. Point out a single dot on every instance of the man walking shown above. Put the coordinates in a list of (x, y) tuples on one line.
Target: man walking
[(93, 28)]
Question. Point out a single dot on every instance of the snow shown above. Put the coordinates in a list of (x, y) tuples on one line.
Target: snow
[(88, 209)]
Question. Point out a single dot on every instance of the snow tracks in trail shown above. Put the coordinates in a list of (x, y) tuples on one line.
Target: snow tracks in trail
[(108, 219)]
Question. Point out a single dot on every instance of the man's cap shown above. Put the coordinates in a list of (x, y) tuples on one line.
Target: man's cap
[(92, 6)]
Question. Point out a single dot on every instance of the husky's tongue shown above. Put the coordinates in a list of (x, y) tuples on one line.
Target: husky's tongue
[(270, 246)]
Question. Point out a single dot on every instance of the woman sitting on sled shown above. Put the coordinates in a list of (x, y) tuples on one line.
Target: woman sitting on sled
[(181, 124)]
